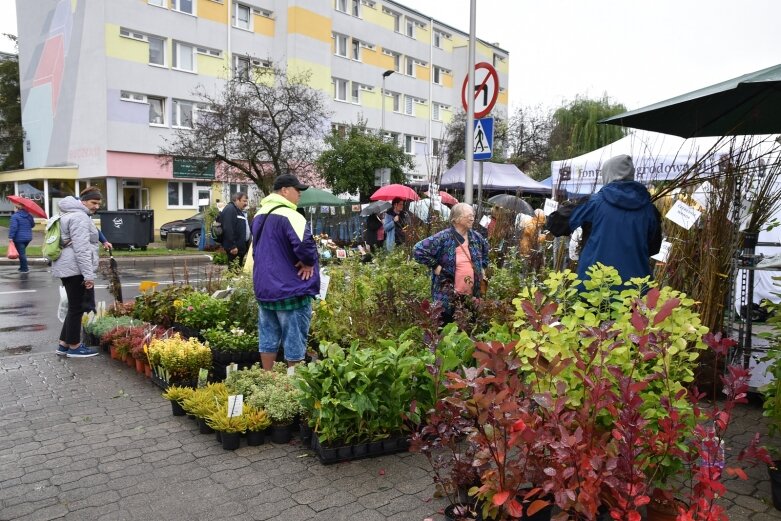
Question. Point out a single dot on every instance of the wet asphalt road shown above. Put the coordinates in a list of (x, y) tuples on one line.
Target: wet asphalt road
[(28, 302)]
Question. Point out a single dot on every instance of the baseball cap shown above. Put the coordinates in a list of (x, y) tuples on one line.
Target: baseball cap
[(289, 180)]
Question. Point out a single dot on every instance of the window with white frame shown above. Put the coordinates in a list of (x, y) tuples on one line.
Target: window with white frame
[(234, 188), (396, 19), (409, 108), (184, 6), (396, 101), (156, 110), (180, 194), (158, 3), (497, 59), (408, 144), (355, 8), (340, 5), (340, 44), (392, 136), (340, 89), (183, 113), (355, 50), (409, 27), (437, 39), (242, 17), (435, 112), (436, 147), (132, 96), (156, 50), (206, 51), (241, 67), (437, 76), (355, 92), (340, 129), (396, 59), (184, 57)]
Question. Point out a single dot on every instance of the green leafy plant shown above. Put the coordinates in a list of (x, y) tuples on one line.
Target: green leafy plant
[(242, 304), (176, 393), (204, 401), (220, 421), (179, 359), (160, 306), (233, 339), (102, 325), (256, 419), (200, 310)]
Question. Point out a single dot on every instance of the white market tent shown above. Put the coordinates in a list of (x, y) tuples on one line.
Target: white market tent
[(657, 157), (496, 176)]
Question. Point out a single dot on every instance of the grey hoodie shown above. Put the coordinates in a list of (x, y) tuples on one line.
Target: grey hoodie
[(80, 236), (619, 168)]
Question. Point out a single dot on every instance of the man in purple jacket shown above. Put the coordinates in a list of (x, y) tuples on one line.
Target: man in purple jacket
[(285, 273)]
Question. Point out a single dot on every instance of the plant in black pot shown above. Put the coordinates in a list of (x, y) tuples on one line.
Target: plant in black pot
[(177, 395), (231, 427), (282, 403), (257, 423)]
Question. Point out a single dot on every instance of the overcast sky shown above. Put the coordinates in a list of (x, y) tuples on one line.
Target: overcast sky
[(637, 52)]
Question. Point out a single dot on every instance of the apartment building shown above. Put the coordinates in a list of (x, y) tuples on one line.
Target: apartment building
[(105, 83)]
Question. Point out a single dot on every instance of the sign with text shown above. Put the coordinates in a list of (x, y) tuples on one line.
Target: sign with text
[(550, 207), (193, 168), (683, 215), (664, 252)]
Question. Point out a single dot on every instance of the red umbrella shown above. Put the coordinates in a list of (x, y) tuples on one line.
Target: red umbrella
[(28, 204), (391, 192), (447, 198)]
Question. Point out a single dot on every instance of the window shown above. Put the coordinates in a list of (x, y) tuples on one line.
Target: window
[(408, 106), (241, 67), (183, 57), (340, 129), (340, 44), (396, 19), (156, 50), (396, 59), (436, 147), (437, 39), (356, 7), (132, 96), (180, 194), (396, 102), (158, 3), (497, 59), (435, 115), (341, 5), (355, 92), (392, 136), (183, 113), (437, 76), (242, 17), (410, 66), (234, 188), (407, 144), (409, 28), (356, 50), (184, 6), (340, 89), (133, 35), (156, 110), (216, 53)]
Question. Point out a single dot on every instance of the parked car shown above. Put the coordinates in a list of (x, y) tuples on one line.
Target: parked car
[(190, 227)]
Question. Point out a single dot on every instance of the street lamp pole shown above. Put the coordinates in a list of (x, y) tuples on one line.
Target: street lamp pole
[(382, 94)]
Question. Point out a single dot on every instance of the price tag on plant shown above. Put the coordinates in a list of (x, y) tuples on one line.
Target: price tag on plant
[(230, 368), (550, 207), (324, 281), (664, 252), (484, 221), (235, 405), (683, 215), (203, 376)]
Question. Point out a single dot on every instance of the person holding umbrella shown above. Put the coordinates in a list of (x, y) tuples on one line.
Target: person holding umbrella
[(20, 233), (395, 222), (76, 267)]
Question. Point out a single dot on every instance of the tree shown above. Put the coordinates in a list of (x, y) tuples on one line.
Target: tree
[(11, 130), (350, 159), (528, 140), (264, 123), (576, 131), (455, 135)]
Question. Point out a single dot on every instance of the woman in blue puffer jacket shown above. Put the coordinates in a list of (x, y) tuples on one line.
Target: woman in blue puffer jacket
[(21, 233)]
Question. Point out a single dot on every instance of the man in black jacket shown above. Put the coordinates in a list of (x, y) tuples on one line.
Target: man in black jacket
[(235, 228)]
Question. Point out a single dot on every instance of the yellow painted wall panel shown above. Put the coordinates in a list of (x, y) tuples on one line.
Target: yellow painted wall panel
[(446, 115), (503, 66), (423, 35), (376, 58), (263, 25), (421, 111), (501, 99), (211, 66), (377, 17), (371, 100), (423, 73), (320, 74), (308, 23), (447, 80), (213, 11), (460, 41), (125, 48)]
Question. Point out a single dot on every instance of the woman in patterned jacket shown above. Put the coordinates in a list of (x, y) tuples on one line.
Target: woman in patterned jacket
[(457, 257)]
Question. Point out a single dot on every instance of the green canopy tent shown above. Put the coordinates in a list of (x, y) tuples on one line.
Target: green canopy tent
[(749, 104), (316, 197)]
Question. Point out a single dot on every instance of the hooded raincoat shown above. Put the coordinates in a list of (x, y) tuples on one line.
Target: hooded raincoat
[(79, 237)]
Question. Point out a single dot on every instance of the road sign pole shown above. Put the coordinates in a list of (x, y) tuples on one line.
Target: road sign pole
[(470, 108), (480, 192)]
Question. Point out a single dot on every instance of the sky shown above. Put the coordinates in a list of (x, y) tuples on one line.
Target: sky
[(637, 52)]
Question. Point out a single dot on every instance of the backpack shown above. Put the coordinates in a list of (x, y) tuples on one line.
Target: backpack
[(217, 230), (52, 239)]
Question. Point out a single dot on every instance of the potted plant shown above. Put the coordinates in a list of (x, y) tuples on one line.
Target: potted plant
[(160, 306), (177, 395), (176, 360), (230, 427), (203, 402), (231, 344), (196, 311), (257, 423), (281, 402)]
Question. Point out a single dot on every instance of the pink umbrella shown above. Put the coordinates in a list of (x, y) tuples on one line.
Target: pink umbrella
[(28, 204), (446, 198), (391, 192)]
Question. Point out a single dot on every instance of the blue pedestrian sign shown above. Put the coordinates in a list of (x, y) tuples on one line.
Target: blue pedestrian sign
[(484, 139)]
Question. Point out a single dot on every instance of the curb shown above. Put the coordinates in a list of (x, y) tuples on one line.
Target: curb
[(151, 259)]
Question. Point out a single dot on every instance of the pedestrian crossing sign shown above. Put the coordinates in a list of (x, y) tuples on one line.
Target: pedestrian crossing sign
[(483, 139)]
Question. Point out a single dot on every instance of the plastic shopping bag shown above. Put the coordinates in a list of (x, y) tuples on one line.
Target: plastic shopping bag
[(12, 253), (62, 309)]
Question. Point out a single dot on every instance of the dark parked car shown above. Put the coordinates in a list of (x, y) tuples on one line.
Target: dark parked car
[(190, 227)]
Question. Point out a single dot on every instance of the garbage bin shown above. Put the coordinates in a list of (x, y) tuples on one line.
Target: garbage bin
[(128, 228), (175, 241)]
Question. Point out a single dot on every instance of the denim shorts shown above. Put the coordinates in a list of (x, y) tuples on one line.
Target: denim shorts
[(290, 328)]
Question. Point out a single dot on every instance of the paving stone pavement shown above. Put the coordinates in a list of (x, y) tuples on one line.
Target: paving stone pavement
[(90, 439)]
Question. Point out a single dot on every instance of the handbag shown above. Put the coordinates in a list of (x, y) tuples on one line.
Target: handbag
[(12, 252)]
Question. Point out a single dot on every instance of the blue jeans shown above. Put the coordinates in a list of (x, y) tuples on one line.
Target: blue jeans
[(21, 247), (290, 328)]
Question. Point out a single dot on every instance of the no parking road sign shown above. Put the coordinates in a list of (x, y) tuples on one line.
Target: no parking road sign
[(484, 139), (486, 89)]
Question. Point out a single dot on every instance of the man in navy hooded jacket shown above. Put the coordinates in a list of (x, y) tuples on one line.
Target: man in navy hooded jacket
[(625, 225)]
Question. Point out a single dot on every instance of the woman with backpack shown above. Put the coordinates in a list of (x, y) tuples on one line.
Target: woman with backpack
[(76, 267), (20, 233)]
